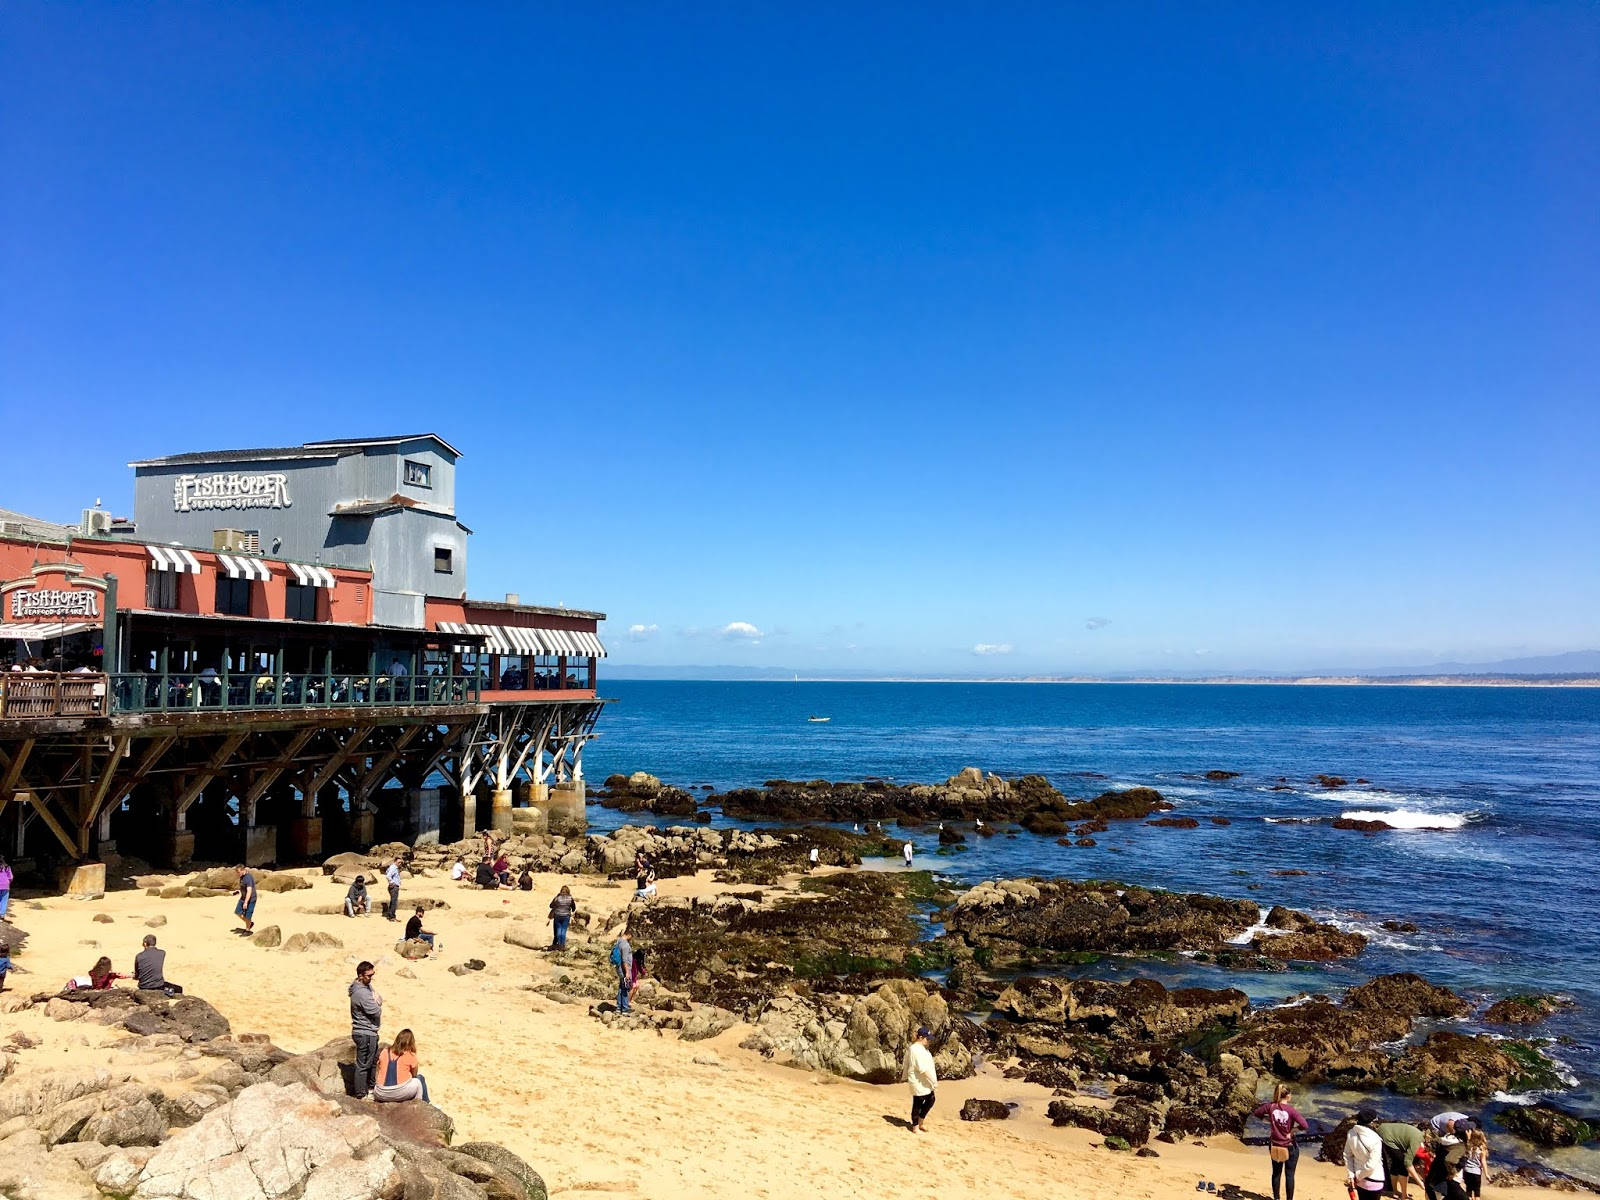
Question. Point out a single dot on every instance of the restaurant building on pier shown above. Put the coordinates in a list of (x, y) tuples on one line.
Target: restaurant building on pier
[(278, 658)]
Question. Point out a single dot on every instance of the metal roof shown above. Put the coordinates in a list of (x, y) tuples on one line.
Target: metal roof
[(328, 449), (538, 609)]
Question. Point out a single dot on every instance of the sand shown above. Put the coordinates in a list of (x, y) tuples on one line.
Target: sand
[(598, 1111)]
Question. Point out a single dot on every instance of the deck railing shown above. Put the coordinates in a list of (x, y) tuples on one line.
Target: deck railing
[(216, 692), (31, 694)]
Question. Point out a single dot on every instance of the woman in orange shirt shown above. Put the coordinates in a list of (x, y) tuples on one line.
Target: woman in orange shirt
[(397, 1071)]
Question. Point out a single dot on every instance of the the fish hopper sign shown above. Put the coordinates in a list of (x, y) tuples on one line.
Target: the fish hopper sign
[(231, 490)]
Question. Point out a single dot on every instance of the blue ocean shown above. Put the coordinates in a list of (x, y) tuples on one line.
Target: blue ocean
[(1495, 792)]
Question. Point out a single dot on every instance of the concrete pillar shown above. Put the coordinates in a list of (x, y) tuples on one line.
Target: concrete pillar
[(84, 880), (363, 825), (469, 814), (422, 815), (565, 809), (179, 848), (261, 844), (305, 837), (500, 810)]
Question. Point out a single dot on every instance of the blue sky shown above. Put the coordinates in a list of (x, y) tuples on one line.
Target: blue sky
[(966, 339)]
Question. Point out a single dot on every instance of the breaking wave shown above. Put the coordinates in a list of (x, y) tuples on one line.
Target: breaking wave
[(1409, 818)]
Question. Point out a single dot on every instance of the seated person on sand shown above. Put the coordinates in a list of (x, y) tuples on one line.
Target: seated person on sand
[(502, 871), (458, 870), (647, 886), (414, 930), (356, 901), (99, 978), (150, 969), (525, 880), (484, 876), (6, 965), (397, 1072)]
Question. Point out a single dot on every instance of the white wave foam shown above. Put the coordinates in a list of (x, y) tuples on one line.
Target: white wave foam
[(1260, 926), (1409, 818)]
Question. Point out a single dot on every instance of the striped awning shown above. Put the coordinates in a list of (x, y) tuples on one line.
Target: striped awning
[(242, 566), (174, 558), (318, 577), (523, 639), (38, 631)]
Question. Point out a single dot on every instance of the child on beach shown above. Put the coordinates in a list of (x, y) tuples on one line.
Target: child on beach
[(5, 963), (1476, 1164), (5, 890)]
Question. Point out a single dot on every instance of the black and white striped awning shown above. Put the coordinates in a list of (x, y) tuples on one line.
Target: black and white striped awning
[(306, 576), (40, 631), (242, 566), (174, 558), (522, 639)]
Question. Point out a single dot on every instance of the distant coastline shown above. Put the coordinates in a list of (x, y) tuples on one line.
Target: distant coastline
[(1515, 681)]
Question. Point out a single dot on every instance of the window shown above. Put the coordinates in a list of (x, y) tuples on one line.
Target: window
[(233, 596), (441, 560), (161, 589), (418, 474), (300, 602)]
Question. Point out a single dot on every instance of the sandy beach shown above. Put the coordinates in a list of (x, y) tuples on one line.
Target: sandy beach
[(600, 1111)]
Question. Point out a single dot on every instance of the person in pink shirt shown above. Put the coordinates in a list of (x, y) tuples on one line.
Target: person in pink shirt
[(1282, 1119)]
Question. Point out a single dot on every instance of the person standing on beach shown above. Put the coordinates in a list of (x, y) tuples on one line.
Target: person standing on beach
[(907, 851), (245, 910), (1363, 1155), (5, 890), (366, 1014), (813, 858), (1401, 1142), (392, 874), (561, 910), (922, 1077), (622, 960), (1282, 1118)]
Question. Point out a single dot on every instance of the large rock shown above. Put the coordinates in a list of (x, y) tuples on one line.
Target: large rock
[(507, 1164), (985, 1110), (1140, 1008), (1407, 994), (1463, 1066), (298, 943), (1548, 1125), (1525, 1010), (273, 1142), (1131, 1120)]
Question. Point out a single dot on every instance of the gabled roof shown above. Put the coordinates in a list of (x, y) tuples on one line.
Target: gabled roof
[(328, 449)]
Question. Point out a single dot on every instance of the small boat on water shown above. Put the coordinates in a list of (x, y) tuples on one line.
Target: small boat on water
[(819, 720)]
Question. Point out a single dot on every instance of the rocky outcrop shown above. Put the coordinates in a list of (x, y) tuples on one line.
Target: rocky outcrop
[(1525, 1010), (1141, 1009), (1131, 1120), (1548, 1125), (985, 1110), (1407, 994), (1462, 1066), (643, 792)]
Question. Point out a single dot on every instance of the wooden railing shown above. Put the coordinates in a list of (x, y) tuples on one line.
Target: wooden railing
[(35, 694)]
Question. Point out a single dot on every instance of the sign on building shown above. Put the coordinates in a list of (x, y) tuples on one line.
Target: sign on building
[(230, 490), (33, 604)]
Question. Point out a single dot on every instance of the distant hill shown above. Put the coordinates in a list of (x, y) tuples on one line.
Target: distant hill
[(1573, 662)]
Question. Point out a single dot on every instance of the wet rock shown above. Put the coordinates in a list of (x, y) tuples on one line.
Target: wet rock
[(1548, 1125), (1525, 1010), (1318, 1041), (1463, 1066), (1130, 1120), (1408, 994), (1361, 826), (1175, 822), (1141, 1009), (1316, 943), (1218, 776), (1332, 781), (985, 1110)]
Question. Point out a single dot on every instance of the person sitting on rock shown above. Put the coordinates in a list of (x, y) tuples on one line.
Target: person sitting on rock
[(414, 930), (150, 969), (99, 979), (502, 870), (525, 880), (356, 901), (397, 1072), (647, 885)]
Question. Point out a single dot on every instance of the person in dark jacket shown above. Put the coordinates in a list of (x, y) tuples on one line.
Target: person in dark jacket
[(356, 901), (366, 1014), (561, 910), (150, 969)]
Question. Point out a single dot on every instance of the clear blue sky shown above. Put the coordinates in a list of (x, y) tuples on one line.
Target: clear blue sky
[(856, 337)]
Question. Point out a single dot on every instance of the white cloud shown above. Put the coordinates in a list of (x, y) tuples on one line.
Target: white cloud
[(992, 648), (640, 633), (741, 631), (1097, 622)]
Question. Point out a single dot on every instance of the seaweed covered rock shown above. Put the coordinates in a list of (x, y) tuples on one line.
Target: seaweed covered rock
[(1141, 1009), (1548, 1125), (1462, 1066), (1525, 1010)]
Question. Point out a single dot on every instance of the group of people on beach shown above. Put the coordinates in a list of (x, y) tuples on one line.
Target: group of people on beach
[(1448, 1158), (149, 972)]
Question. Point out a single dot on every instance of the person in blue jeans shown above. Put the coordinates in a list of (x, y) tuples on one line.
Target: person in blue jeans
[(5, 889), (561, 910), (622, 960)]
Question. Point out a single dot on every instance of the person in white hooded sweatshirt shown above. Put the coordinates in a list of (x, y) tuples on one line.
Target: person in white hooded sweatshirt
[(922, 1077), (1363, 1155)]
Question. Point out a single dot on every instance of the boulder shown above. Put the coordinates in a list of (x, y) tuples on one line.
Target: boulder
[(298, 943), (1462, 1066), (1131, 1120), (413, 948), (507, 1163), (985, 1110), (269, 937), (1408, 994), (281, 881), (156, 922), (1548, 1125), (1525, 1010)]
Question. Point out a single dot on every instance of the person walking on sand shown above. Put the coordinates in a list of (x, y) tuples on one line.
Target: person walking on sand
[(1282, 1118), (907, 851), (392, 874), (366, 1014), (245, 910), (561, 910), (397, 1076), (150, 969), (1363, 1155), (1401, 1143), (814, 858), (622, 960), (923, 1078), (5, 890)]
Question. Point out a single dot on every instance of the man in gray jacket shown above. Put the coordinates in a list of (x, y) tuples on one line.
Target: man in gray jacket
[(366, 1013)]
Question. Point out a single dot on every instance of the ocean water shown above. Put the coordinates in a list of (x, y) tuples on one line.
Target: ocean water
[(1496, 791)]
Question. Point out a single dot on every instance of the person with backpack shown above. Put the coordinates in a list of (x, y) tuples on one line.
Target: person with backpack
[(397, 1076), (622, 960), (1282, 1118), (1446, 1176)]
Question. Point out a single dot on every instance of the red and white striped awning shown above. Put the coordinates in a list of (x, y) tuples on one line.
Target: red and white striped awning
[(242, 566), (174, 558), (524, 639), (308, 576)]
